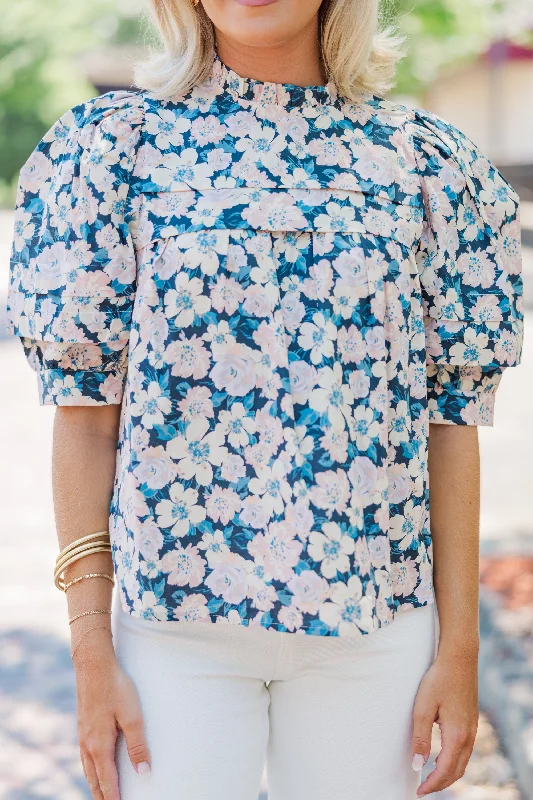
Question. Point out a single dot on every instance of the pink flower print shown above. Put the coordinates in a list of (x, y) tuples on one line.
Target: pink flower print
[(234, 371), (404, 577), (290, 618), (254, 512), (476, 268), (318, 286), (507, 348), (379, 551), (196, 403), (193, 608), (155, 467), (278, 548), (363, 475), (303, 377), (185, 565), (487, 309), (53, 268), (331, 491), (222, 505), (35, 172), (226, 295), (188, 356), (275, 211), (233, 468), (309, 591), (229, 579), (330, 150), (270, 338), (262, 595)]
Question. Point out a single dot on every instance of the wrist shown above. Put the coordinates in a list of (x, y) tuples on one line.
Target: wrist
[(92, 645), (459, 648)]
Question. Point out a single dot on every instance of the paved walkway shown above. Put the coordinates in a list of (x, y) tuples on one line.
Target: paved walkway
[(38, 749)]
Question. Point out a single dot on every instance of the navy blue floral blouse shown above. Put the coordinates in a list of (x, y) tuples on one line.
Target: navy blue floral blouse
[(282, 289)]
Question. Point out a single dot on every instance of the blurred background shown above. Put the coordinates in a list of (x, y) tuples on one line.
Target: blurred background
[(471, 61)]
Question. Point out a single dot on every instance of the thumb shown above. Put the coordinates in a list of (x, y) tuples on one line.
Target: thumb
[(133, 729), (423, 719)]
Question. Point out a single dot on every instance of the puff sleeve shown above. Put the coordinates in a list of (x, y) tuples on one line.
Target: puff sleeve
[(469, 263), (72, 275)]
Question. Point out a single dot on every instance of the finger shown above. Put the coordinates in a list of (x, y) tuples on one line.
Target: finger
[(90, 776), (444, 774), (137, 746), (103, 755), (423, 718)]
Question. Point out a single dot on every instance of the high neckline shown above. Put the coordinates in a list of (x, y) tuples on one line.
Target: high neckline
[(287, 95)]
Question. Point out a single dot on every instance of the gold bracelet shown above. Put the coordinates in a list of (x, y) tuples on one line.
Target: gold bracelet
[(82, 540), (94, 628), (86, 614), (88, 548), (89, 575), (59, 582), (81, 549)]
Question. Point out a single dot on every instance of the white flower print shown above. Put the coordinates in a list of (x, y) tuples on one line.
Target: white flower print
[(348, 612), (237, 425), (333, 397), (332, 548), (186, 300), (197, 452), (151, 405), (180, 511), (318, 337)]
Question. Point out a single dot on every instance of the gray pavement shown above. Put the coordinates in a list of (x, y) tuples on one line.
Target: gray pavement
[(38, 749)]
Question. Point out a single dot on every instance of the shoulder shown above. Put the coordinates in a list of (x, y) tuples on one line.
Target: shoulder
[(98, 136), (114, 114)]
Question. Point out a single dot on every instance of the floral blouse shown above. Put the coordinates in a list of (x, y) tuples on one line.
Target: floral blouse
[(282, 289)]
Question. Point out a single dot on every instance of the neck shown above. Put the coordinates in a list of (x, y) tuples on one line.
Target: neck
[(297, 61)]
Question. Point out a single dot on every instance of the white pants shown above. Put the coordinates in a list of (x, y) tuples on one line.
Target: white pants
[(331, 717)]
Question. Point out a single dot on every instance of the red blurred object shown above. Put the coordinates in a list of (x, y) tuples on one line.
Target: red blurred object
[(511, 577)]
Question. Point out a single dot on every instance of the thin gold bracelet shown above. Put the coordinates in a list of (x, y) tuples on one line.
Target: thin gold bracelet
[(89, 575), (59, 582), (82, 540), (84, 634), (86, 614)]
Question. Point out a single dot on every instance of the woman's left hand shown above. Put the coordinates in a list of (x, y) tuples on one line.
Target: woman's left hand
[(447, 695)]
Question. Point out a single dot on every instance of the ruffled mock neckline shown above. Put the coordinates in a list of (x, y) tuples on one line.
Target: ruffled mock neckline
[(288, 95)]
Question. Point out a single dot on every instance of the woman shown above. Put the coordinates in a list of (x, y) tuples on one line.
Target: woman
[(268, 304)]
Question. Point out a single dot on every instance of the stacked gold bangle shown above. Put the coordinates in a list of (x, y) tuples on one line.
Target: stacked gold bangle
[(98, 542)]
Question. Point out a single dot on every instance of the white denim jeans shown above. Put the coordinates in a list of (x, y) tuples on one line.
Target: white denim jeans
[(331, 717)]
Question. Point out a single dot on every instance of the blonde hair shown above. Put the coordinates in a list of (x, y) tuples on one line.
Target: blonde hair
[(358, 54)]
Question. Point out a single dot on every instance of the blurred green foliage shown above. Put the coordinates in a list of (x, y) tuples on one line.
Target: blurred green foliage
[(40, 73), (41, 43)]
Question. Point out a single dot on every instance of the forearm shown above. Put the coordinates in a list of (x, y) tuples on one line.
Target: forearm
[(454, 481), (83, 467)]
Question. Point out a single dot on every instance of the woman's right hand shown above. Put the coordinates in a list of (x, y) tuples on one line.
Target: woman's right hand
[(107, 701)]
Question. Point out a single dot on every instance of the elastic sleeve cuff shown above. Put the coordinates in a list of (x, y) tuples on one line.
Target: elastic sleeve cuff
[(80, 388), (469, 408), (462, 395)]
